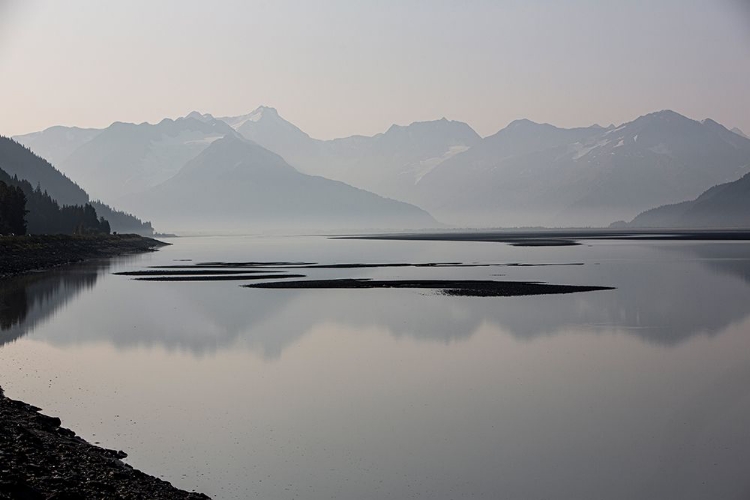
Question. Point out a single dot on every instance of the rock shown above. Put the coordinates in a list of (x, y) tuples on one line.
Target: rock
[(48, 421), (39, 459)]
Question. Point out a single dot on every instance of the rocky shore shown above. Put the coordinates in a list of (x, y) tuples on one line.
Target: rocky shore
[(40, 460), (22, 254)]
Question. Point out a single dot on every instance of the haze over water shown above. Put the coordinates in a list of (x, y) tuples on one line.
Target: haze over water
[(637, 392)]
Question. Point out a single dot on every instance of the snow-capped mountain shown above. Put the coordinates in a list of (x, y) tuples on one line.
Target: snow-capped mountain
[(389, 163), (126, 158), (537, 174), (265, 127), (235, 185), (392, 163)]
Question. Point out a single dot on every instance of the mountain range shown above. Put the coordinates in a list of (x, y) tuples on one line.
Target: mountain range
[(389, 163), (525, 174), (538, 174)]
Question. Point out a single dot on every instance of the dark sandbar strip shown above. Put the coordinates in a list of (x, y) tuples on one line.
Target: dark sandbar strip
[(197, 272), (234, 277), (468, 288), (220, 265), (544, 243), (428, 264), (205, 268)]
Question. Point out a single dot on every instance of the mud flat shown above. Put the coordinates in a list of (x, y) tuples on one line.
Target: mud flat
[(466, 288)]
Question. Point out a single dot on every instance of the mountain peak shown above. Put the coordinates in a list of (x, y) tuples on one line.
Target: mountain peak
[(666, 115), (431, 131), (522, 122), (712, 123), (739, 132), (263, 112), (660, 122), (254, 116), (203, 117), (270, 109)]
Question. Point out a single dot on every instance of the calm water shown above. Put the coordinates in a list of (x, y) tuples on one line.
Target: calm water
[(639, 392)]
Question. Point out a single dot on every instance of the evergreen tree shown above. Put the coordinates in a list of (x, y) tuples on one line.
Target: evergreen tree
[(12, 209), (23, 207)]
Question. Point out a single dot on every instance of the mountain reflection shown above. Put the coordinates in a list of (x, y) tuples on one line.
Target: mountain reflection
[(29, 300), (688, 290)]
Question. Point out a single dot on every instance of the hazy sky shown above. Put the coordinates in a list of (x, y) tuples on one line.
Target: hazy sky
[(347, 67)]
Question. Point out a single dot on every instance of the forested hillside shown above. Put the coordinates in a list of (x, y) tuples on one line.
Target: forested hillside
[(55, 203), (43, 215)]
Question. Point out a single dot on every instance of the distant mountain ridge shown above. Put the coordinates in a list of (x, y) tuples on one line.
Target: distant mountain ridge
[(723, 206), (127, 158), (389, 163), (537, 174), (235, 184), (526, 174), (55, 144)]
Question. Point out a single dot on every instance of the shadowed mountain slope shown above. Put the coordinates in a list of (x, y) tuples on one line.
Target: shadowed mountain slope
[(17, 160), (389, 163), (127, 158), (723, 206), (235, 184)]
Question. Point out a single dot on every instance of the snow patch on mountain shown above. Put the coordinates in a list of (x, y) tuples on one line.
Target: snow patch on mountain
[(255, 116), (425, 166), (167, 155), (582, 150)]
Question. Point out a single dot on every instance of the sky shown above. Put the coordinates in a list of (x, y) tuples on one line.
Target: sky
[(338, 68)]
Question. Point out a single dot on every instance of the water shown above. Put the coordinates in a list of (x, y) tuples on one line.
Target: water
[(638, 392)]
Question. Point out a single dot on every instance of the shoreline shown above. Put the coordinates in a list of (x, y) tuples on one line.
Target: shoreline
[(40, 459), (26, 254)]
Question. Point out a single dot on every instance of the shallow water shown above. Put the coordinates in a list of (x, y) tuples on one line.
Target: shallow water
[(638, 392)]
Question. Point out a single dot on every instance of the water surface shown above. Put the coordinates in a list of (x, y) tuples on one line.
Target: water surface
[(638, 392)]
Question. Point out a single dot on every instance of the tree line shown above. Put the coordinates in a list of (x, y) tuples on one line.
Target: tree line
[(19, 161), (26, 209), (12, 209)]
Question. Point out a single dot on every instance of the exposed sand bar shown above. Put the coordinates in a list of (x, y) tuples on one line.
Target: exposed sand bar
[(468, 288), (206, 268), (232, 277)]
